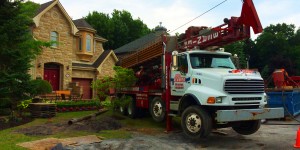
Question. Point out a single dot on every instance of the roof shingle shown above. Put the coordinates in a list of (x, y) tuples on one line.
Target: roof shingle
[(43, 6), (136, 44), (81, 23)]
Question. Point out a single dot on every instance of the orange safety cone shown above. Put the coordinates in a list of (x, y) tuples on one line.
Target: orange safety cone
[(297, 144)]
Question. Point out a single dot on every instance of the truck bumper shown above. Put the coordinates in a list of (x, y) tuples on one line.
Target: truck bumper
[(249, 114)]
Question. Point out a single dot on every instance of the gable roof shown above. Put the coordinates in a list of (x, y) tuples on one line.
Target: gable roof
[(81, 23), (139, 43), (47, 6), (43, 6), (99, 60)]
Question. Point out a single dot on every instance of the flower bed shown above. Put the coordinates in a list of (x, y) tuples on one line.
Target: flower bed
[(77, 105)]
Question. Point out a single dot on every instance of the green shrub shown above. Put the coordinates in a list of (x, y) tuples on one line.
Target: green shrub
[(40, 86), (121, 101), (24, 104), (5, 102), (77, 104)]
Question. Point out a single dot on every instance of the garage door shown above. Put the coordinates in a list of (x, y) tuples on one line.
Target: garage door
[(86, 87)]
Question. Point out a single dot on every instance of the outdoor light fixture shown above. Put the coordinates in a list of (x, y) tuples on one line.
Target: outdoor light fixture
[(39, 65), (68, 67)]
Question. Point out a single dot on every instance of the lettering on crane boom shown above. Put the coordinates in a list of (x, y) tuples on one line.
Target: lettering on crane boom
[(201, 39)]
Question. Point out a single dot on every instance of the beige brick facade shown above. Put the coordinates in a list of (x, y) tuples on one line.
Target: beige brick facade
[(71, 60), (106, 68), (54, 20)]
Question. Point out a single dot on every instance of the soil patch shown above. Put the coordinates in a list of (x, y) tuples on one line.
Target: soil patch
[(5, 123), (94, 125)]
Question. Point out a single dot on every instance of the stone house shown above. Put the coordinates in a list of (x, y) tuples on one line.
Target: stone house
[(76, 54)]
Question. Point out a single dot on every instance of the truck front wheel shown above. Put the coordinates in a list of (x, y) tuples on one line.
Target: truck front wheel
[(247, 127), (158, 109), (196, 122)]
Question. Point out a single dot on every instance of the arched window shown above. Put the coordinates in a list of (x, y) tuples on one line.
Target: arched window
[(54, 38), (88, 43)]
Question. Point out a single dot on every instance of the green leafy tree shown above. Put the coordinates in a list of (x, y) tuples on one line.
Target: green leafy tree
[(238, 49), (17, 50), (123, 78), (119, 27), (277, 48), (102, 87)]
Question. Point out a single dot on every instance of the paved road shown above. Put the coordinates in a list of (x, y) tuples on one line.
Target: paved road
[(269, 137)]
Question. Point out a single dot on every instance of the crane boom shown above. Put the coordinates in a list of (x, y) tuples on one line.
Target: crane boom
[(233, 29)]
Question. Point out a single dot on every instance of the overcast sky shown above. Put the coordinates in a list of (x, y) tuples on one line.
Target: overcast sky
[(174, 13)]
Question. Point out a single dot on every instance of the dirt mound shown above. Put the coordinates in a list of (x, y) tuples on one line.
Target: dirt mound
[(94, 125), (45, 129)]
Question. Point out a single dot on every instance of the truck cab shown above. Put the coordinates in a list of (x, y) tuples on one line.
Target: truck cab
[(207, 87), (212, 78)]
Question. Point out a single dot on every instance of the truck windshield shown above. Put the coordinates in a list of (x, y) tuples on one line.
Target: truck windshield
[(211, 61)]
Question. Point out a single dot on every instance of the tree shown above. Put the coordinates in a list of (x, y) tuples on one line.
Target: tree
[(18, 49), (123, 78), (238, 49), (277, 48), (119, 28)]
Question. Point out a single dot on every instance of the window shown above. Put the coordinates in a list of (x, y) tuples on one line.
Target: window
[(211, 61), (88, 43), (54, 39), (182, 63), (80, 44)]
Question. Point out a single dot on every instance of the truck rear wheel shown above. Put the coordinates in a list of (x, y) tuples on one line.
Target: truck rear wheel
[(131, 109), (196, 122), (158, 109), (122, 110), (247, 127)]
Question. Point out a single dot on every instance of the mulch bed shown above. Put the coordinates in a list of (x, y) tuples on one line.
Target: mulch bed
[(94, 125), (5, 123)]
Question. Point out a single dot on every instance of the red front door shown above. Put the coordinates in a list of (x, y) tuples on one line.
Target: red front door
[(52, 76)]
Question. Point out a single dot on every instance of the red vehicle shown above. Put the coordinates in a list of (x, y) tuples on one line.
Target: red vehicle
[(190, 79)]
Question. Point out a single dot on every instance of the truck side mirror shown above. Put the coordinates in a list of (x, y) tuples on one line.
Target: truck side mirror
[(174, 60)]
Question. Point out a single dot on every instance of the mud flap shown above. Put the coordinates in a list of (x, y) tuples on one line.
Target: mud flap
[(249, 114)]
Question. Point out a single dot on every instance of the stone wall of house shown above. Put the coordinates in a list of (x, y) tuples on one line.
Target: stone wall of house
[(54, 20), (98, 51), (106, 69), (90, 74)]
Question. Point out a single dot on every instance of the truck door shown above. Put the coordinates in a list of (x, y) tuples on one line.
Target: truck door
[(180, 78)]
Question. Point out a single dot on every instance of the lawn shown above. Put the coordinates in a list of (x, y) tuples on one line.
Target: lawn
[(9, 137)]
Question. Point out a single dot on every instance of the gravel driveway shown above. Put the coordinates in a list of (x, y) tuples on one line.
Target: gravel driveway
[(269, 137)]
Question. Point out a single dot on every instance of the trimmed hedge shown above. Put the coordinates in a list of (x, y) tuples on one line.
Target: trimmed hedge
[(83, 105)]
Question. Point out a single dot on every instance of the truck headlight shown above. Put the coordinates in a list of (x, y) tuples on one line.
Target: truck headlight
[(212, 100), (218, 99), (266, 98)]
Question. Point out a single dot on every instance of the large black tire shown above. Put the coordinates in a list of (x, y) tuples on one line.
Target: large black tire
[(131, 109), (158, 109), (196, 122), (123, 110), (247, 127)]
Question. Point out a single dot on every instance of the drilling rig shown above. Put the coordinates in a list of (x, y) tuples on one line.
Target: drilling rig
[(193, 78)]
